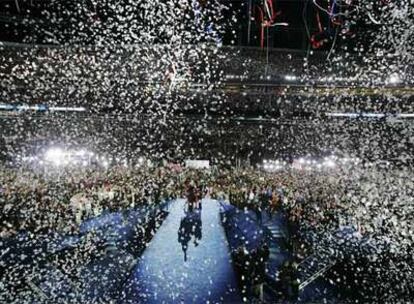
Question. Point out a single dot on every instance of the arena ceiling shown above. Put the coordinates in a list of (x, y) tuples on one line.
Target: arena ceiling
[(230, 96), (355, 23)]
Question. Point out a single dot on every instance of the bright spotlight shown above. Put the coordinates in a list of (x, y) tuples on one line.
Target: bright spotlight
[(80, 153), (105, 163), (55, 155), (290, 78), (394, 79), (329, 163)]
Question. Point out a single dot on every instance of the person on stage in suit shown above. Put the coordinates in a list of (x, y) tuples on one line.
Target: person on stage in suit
[(191, 196), (190, 226)]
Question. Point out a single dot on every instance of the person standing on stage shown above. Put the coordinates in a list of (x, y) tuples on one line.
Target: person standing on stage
[(191, 196)]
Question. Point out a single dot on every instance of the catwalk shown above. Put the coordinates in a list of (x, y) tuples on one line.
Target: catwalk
[(188, 261)]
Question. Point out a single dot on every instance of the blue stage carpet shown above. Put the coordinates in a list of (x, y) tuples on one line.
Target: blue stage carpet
[(163, 276)]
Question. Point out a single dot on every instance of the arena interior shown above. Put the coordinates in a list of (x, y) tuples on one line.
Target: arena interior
[(206, 151)]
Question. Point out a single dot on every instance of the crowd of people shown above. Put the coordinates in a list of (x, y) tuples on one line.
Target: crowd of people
[(315, 203), (359, 217), (309, 198), (37, 203)]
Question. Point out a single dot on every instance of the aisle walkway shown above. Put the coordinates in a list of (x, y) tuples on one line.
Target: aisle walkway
[(163, 275)]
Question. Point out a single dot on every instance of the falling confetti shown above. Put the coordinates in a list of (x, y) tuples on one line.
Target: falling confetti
[(206, 151)]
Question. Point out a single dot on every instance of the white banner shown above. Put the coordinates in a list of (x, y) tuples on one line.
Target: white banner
[(197, 164)]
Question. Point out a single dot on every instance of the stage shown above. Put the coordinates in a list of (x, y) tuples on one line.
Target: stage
[(165, 274)]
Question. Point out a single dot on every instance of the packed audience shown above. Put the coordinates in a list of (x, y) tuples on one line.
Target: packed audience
[(360, 218), (38, 203), (372, 204), (316, 201)]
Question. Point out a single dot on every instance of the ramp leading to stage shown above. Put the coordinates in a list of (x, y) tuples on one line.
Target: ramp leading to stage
[(205, 275)]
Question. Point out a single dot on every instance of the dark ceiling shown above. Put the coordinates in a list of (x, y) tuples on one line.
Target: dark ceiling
[(253, 110), (62, 22)]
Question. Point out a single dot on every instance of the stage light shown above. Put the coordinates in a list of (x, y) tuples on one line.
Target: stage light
[(329, 163), (40, 108), (55, 156), (80, 153), (290, 78), (359, 115), (67, 109), (406, 115), (349, 115), (105, 163), (394, 79)]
